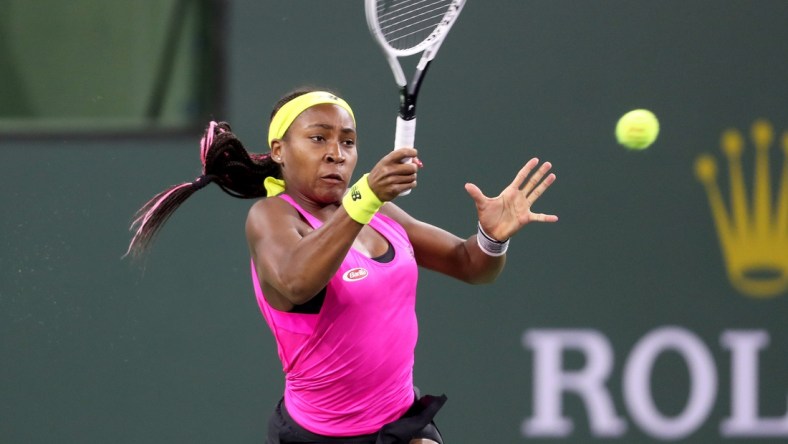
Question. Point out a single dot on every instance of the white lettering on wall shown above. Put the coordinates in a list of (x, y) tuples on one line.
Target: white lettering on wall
[(551, 381), (637, 382), (744, 421)]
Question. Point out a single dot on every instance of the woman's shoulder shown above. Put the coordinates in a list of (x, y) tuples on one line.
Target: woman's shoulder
[(268, 205), (268, 211)]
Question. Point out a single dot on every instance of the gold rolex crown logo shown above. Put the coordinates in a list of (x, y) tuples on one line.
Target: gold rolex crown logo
[(753, 230)]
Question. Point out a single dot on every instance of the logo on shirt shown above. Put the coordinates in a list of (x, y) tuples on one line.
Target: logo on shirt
[(355, 274)]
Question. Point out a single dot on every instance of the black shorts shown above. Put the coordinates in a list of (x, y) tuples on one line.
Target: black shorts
[(415, 423)]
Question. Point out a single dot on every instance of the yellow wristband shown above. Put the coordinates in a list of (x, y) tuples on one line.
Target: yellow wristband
[(360, 202)]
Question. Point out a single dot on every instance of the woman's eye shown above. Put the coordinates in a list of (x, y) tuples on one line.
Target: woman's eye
[(350, 142), (318, 138)]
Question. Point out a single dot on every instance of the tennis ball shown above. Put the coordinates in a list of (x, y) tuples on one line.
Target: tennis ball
[(637, 129)]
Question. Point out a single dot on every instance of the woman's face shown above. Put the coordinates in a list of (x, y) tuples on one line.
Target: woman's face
[(318, 153)]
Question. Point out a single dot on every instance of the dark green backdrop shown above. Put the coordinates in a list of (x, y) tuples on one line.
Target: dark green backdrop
[(94, 349)]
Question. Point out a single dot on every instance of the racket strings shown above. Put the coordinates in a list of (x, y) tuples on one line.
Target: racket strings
[(406, 24)]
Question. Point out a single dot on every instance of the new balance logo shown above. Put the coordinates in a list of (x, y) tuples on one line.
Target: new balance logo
[(355, 194)]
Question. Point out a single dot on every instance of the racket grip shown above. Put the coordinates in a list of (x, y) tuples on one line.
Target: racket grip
[(404, 137), (406, 133)]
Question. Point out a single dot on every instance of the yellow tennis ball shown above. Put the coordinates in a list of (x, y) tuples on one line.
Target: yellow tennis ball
[(637, 129)]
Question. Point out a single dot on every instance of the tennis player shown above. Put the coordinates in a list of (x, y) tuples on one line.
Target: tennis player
[(335, 264)]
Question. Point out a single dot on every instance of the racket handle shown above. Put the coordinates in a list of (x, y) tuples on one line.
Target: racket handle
[(406, 133), (404, 137)]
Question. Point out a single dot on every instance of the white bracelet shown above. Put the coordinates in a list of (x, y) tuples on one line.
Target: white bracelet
[(490, 246)]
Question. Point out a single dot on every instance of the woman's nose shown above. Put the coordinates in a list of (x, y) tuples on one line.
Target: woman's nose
[(334, 153)]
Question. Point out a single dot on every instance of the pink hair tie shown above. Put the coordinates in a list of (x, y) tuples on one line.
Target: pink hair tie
[(207, 141)]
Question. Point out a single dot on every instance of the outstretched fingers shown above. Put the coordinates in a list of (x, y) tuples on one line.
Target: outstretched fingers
[(535, 181), (541, 217), (536, 193), (523, 174), (540, 188), (531, 183)]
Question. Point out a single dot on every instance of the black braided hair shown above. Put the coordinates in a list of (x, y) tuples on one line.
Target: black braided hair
[(226, 162)]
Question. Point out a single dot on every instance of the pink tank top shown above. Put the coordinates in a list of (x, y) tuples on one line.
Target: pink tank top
[(349, 369)]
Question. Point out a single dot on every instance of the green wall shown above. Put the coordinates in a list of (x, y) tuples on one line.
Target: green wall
[(97, 349), (95, 65)]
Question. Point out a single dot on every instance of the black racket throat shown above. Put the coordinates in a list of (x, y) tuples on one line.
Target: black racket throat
[(409, 93)]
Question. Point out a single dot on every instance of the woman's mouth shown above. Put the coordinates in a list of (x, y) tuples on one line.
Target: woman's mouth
[(333, 178)]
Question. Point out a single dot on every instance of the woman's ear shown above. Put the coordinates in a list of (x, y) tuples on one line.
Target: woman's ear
[(276, 150)]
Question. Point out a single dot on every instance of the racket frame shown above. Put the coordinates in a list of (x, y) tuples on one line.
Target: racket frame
[(429, 47), (405, 133)]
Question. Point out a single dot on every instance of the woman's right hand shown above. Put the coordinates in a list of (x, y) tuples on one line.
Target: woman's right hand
[(394, 173)]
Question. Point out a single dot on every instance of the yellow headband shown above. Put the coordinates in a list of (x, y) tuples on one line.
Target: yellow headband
[(285, 116)]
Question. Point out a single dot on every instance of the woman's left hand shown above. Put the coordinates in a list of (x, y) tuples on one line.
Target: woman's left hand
[(501, 217)]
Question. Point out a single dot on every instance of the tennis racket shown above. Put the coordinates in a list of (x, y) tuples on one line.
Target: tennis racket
[(404, 28)]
